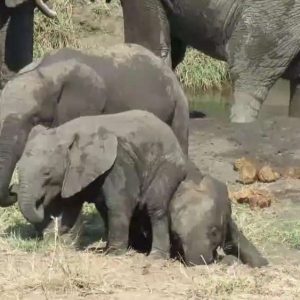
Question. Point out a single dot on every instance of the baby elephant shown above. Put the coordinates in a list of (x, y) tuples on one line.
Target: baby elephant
[(200, 214), (120, 161), (126, 162)]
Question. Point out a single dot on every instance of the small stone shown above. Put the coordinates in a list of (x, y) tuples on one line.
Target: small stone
[(267, 174)]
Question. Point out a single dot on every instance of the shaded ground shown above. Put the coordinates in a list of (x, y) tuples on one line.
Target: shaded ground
[(215, 145)]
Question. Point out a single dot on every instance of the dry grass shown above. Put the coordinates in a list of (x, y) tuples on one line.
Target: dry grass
[(31, 269), (55, 33), (63, 273)]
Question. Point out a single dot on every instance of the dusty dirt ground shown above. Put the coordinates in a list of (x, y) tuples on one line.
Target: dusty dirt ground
[(49, 270)]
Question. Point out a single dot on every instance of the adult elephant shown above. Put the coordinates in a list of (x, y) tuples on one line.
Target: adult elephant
[(260, 40), (16, 34)]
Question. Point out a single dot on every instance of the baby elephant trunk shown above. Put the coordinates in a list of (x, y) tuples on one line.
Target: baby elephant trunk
[(32, 210)]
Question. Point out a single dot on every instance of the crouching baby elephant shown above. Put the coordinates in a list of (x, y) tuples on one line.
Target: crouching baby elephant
[(121, 162), (200, 214)]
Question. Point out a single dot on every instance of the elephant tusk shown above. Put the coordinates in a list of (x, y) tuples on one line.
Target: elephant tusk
[(45, 9)]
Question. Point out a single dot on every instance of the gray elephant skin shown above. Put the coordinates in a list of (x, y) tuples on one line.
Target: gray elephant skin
[(260, 40), (68, 84), (16, 34), (122, 162), (200, 216)]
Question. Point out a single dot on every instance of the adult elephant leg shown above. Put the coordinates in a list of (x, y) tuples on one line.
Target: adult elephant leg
[(294, 107), (4, 20), (146, 24), (178, 51), (19, 43), (16, 38), (255, 68)]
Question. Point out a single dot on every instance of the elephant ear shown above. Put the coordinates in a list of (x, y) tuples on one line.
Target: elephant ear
[(88, 158)]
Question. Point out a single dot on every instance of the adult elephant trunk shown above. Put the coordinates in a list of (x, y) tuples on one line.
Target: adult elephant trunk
[(10, 151), (33, 211), (45, 9)]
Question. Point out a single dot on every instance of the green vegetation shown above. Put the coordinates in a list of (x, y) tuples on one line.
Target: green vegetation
[(201, 72)]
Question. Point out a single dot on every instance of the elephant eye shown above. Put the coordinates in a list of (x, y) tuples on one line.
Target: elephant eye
[(46, 171), (214, 232)]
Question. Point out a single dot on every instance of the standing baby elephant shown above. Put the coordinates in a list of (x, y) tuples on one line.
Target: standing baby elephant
[(121, 161), (201, 222)]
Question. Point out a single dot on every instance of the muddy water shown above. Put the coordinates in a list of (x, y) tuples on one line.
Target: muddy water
[(216, 103)]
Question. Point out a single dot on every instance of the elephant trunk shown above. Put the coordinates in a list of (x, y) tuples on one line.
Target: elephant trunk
[(45, 9), (32, 210), (10, 152)]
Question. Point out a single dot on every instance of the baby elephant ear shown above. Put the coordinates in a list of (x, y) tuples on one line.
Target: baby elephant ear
[(88, 158)]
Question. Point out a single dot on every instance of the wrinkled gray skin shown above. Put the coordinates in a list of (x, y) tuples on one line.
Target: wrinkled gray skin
[(120, 162), (68, 83), (16, 34), (260, 40), (200, 214)]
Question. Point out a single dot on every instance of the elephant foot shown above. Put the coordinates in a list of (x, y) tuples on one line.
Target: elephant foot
[(67, 236), (245, 109)]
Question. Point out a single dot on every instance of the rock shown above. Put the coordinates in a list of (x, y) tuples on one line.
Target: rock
[(292, 172), (247, 169), (267, 174), (253, 197)]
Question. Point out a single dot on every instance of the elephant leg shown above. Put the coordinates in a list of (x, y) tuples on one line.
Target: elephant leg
[(19, 42), (119, 212), (16, 39), (71, 223), (237, 244), (146, 24), (160, 237), (294, 106), (178, 51), (255, 68), (118, 231), (4, 20), (157, 198)]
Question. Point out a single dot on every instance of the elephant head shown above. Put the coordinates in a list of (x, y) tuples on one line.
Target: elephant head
[(201, 222), (43, 7), (55, 166), (33, 97)]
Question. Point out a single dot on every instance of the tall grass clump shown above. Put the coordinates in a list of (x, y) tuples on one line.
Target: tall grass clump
[(55, 33), (200, 72)]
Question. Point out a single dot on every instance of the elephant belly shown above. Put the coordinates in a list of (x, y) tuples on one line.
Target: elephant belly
[(205, 25)]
